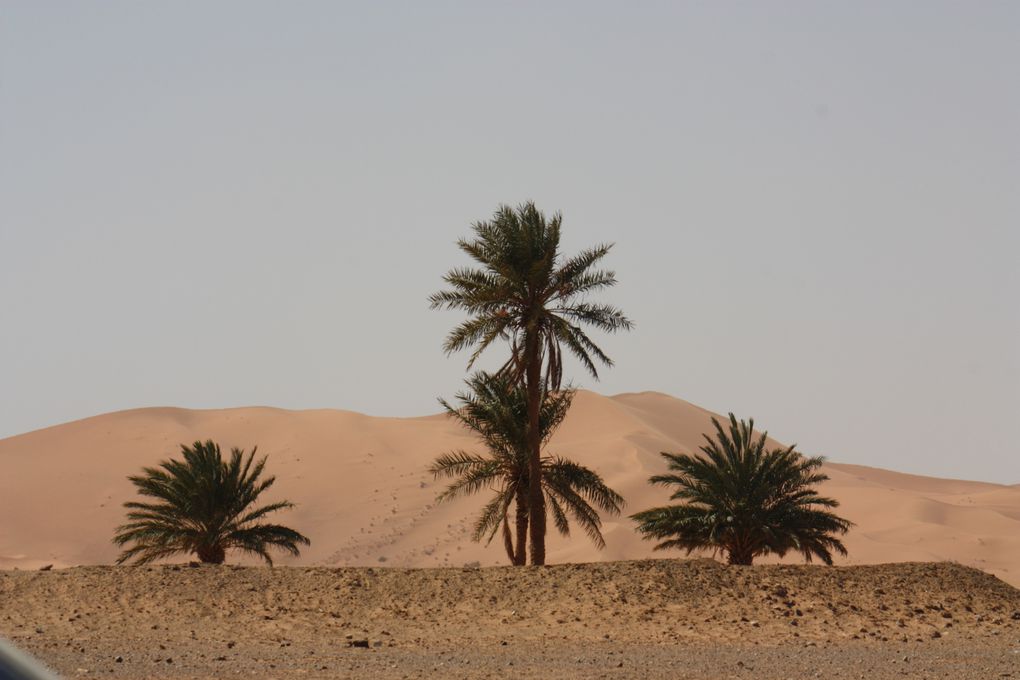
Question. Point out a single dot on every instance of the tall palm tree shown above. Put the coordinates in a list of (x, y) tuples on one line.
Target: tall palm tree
[(496, 410), (204, 505), (745, 501), (526, 293)]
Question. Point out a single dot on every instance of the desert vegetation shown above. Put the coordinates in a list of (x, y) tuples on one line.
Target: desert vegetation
[(525, 292), (204, 505), (745, 500), (495, 409), (738, 498)]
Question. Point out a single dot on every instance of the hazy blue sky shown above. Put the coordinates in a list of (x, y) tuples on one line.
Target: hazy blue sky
[(816, 206)]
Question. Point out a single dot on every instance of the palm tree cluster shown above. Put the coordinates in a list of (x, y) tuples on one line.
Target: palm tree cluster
[(525, 293), (495, 409), (745, 501), (738, 498)]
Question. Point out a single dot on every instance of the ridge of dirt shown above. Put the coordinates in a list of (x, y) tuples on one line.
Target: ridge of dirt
[(654, 618)]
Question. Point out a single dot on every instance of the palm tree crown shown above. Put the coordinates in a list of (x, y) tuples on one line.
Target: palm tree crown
[(525, 293), (524, 288), (496, 410), (745, 501), (203, 505)]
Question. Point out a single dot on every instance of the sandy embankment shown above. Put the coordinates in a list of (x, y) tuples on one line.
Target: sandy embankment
[(651, 619)]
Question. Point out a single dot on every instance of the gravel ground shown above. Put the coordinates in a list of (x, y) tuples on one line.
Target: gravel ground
[(648, 619)]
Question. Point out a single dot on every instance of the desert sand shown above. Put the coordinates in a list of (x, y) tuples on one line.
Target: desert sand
[(648, 619), (364, 496)]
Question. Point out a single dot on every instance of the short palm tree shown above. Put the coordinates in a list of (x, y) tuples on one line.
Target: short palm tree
[(496, 410), (525, 292), (745, 501), (204, 505)]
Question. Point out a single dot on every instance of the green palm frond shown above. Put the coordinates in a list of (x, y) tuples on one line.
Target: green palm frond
[(521, 282), (520, 289), (744, 500), (495, 409), (205, 505)]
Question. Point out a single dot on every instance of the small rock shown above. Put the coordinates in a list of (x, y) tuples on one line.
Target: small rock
[(46, 568), (935, 635), (358, 643), (119, 659)]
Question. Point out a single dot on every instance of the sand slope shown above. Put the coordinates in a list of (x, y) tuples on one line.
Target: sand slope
[(364, 496)]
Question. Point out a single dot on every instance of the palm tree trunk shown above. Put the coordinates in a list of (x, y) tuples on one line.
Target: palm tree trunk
[(213, 554), (743, 559), (740, 552), (521, 555), (536, 501)]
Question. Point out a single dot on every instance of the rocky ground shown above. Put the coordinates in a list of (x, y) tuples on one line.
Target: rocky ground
[(648, 619)]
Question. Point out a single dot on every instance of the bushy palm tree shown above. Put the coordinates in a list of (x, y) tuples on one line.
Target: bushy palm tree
[(204, 505), (745, 501), (496, 410), (526, 293)]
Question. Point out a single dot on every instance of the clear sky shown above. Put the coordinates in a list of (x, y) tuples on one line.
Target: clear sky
[(816, 206)]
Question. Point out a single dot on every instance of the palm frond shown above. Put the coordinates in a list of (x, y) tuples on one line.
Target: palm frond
[(744, 500), (203, 504), (495, 409)]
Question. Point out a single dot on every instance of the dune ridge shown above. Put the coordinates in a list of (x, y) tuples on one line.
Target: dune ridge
[(364, 496)]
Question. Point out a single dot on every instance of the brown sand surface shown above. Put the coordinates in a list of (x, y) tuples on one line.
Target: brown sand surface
[(646, 619), (365, 499)]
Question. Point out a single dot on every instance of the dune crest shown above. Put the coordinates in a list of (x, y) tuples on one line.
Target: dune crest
[(365, 499)]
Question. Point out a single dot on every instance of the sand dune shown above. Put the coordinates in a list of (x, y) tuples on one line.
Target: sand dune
[(365, 499)]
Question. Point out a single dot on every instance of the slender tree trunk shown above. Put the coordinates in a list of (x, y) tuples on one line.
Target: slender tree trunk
[(536, 501), (521, 555)]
